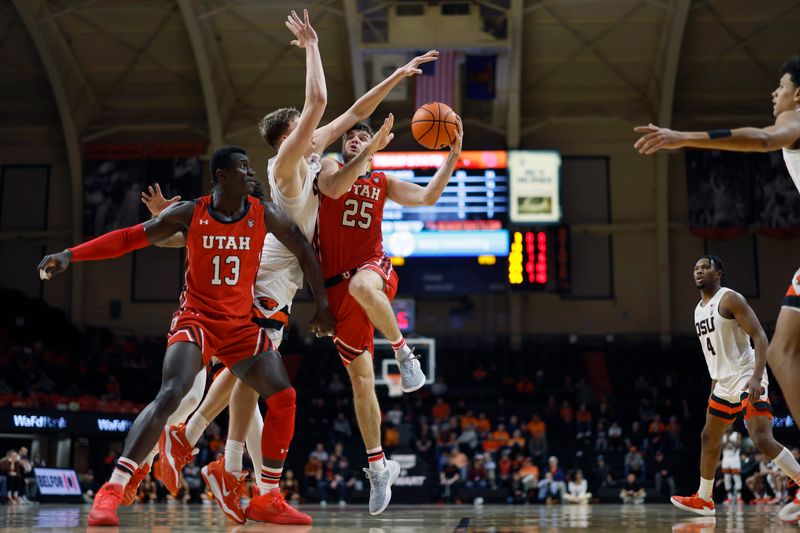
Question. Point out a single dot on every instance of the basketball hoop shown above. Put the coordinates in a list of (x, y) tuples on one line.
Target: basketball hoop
[(395, 386)]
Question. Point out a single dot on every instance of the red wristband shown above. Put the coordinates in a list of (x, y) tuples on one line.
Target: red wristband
[(112, 244)]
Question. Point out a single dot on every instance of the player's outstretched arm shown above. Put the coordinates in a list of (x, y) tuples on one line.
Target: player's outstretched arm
[(366, 105), (122, 241), (334, 181), (783, 134), (410, 194), (155, 202), (290, 236), (748, 321), (292, 150)]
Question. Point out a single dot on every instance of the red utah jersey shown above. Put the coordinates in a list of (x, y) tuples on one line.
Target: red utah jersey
[(222, 260), (349, 227)]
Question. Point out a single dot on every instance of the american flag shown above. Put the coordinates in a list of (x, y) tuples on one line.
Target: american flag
[(438, 80)]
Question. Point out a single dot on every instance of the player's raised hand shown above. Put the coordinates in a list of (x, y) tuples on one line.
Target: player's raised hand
[(384, 135), (53, 264), (412, 67), (455, 144), (323, 324), (654, 139), (302, 30), (155, 200)]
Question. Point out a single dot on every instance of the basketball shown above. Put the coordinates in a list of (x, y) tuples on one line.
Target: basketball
[(434, 125)]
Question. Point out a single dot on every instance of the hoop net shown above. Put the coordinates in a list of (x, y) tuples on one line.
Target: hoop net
[(394, 384)]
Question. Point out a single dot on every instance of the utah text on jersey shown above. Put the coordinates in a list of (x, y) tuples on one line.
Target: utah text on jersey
[(226, 242)]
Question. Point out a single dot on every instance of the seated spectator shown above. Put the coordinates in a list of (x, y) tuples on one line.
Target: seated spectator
[(536, 427), (313, 472), (439, 388), (517, 442), (468, 420), (504, 469), (632, 491), (449, 480), (567, 413), (549, 491), (674, 433), (441, 411), (341, 427), (655, 432), (663, 471), (553, 468), (194, 483), (216, 445), (10, 468), (391, 437), (318, 453), (602, 473), (615, 440), (513, 424), (634, 463), (601, 441), (501, 436), (395, 415), (529, 475), (147, 491), (636, 438), (423, 445), (469, 438), (578, 489), (483, 424), (290, 487), (583, 419), (537, 448), (461, 461), (478, 478)]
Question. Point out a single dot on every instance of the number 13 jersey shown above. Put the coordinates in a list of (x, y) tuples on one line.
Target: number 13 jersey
[(222, 260), (349, 227), (725, 344)]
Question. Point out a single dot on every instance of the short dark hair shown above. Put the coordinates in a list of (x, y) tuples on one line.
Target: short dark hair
[(275, 124), (221, 158), (361, 126), (792, 68), (716, 264)]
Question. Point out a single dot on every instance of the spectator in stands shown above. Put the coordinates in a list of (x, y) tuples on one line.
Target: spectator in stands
[(469, 438), (558, 473), (632, 491), (636, 438), (194, 483), (449, 481), (216, 445), (674, 433), (655, 432), (529, 475), (313, 472), (147, 491), (602, 473), (577, 489), (549, 491), (335, 386), (467, 420), (483, 425), (478, 478), (583, 419), (501, 436), (319, 453), (461, 461), (441, 411), (391, 437), (439, 388), (88, 485), (537, 448), (395, 414), (517, 442), (491, 469), (567, 413), (601, 440), (337, 481), (513, 424), (663, 471), (341, 427), (423, 445), (290, 488), (615, 439), (634, 463), (524, 386), (504, 470), (11, 468)]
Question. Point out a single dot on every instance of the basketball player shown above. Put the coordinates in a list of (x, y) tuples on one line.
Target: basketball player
[(360, 280), (293, 191), (224, 234), (783, 353), (725, 323), (732, 465)]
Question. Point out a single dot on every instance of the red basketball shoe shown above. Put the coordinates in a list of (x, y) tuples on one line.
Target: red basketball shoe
[(104, 507), (174, 452), (133, 484), (695, 504), (271, 507), (227, 488)]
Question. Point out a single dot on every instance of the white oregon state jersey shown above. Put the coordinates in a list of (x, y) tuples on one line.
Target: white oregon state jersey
[(277, 262), (725, 345), (792, 159), (731, 443)]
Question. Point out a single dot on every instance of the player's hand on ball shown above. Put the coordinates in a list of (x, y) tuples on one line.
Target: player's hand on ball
[(323, 324), (754, 389), (53, 264), (301, 29), (155, 200), (655, 139), (455, 145), (384, 135), (412, 67)]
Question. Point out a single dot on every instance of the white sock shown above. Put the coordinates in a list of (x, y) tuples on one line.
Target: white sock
[(253, 439), (706, 489), (786, 462), (195, 428), (376, 459), (270, 479), (401, 349), (123, 471), (233, 455)]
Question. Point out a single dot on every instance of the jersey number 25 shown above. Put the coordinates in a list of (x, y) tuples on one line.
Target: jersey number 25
[(353, 216)]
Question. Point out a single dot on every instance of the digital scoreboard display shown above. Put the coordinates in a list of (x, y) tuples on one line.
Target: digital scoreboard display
[(468, 219)]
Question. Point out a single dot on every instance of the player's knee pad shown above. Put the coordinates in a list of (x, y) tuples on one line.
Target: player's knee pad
[(284, 399), (279, 424)]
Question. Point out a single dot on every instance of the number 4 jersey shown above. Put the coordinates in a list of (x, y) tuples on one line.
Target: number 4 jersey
[(349, 231), (222, 260), (725, 344)]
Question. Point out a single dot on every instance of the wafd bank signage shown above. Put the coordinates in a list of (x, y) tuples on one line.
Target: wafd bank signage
[(57, 482), (68, 422)]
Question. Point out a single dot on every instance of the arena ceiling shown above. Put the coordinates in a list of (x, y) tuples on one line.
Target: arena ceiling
[(87, 70)]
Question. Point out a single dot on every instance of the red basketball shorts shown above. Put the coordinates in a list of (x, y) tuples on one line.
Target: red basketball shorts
[(354, 331), (230, 340)]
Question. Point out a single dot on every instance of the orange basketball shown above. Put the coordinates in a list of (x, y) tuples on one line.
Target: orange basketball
[(434, 125)]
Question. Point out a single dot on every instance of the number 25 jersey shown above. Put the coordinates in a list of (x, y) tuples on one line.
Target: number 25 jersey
[(222, 260), (349, 227), (725, 344)]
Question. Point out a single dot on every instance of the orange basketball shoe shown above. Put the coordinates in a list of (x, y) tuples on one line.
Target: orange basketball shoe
[(695, 504), (174, 452), (272, 508), (133, 484), (227, 488), (104, 507)]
